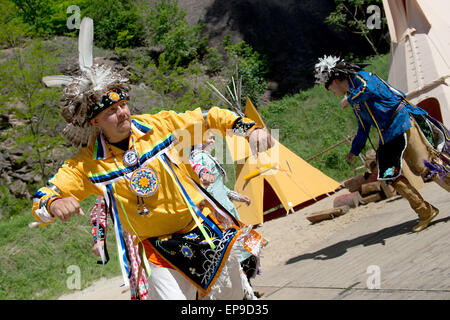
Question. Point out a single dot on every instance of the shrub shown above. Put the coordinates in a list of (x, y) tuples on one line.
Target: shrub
[(34, 106), (117, 24), (167, 27), (213, 60), (13, 30), (252, 66), (46, 18), (10, 205)]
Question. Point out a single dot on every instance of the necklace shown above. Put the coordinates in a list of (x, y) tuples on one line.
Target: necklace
[(143, 181)]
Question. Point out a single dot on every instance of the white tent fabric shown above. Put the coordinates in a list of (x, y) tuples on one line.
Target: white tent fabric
[(420, 53)]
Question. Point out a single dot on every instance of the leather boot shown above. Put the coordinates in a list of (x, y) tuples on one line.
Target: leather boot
[(424, 210)]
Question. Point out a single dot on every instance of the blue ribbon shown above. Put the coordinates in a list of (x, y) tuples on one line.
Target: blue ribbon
[(197, 211), (120, 242)]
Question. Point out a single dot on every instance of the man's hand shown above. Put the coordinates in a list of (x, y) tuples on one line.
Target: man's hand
[(344, 102), (260, 140), (65, 208), (207, 179), (350, 157), (245, 199)]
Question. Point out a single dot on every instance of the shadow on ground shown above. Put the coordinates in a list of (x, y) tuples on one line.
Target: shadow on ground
[(378, 237)]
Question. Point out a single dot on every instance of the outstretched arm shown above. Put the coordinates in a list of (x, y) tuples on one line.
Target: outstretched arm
[(236, 196), (259, 139), (192, 125), (359, 141), (60, 198)]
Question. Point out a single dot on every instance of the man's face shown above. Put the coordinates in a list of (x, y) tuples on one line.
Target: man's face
[(114, 121), (338, 87)]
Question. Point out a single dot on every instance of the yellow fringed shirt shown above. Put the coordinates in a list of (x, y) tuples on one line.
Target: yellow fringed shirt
[(93, 170)]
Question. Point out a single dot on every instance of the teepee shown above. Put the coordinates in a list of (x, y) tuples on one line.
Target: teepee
[(277, 179), (420, 53)]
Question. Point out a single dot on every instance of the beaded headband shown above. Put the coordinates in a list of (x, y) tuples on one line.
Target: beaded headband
[(109, 98)]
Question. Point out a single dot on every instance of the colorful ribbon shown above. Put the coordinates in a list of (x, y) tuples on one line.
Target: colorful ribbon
[(121, 248), (191, 206), (144, 255)]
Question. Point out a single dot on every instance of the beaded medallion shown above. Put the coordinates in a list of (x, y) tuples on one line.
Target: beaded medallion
[(144, 182)]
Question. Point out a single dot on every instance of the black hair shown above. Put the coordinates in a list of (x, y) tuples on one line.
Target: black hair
[(335, 75)]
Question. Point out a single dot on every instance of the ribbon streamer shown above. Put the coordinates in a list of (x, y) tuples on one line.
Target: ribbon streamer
[(144, 255), (121, 248), (191, 206)]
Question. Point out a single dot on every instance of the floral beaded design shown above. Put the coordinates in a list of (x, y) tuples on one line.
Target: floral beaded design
[(144, 182)]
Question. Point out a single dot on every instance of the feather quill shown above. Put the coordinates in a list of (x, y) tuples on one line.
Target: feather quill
[(234, 94)]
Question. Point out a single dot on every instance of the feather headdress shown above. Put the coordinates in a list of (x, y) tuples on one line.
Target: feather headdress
[(324, 68), (330, 67), (83, 93)]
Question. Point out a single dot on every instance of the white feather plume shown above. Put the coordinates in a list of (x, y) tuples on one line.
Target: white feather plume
[(85, 43), (324, 67), (57, 80)]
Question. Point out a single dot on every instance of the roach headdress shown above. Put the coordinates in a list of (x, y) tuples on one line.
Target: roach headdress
[(329, 68)]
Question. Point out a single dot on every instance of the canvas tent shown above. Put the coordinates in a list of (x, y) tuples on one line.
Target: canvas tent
[(276, 178), (420, 53)]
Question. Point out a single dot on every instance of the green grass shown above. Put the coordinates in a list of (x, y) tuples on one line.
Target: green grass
[(34, 262)]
